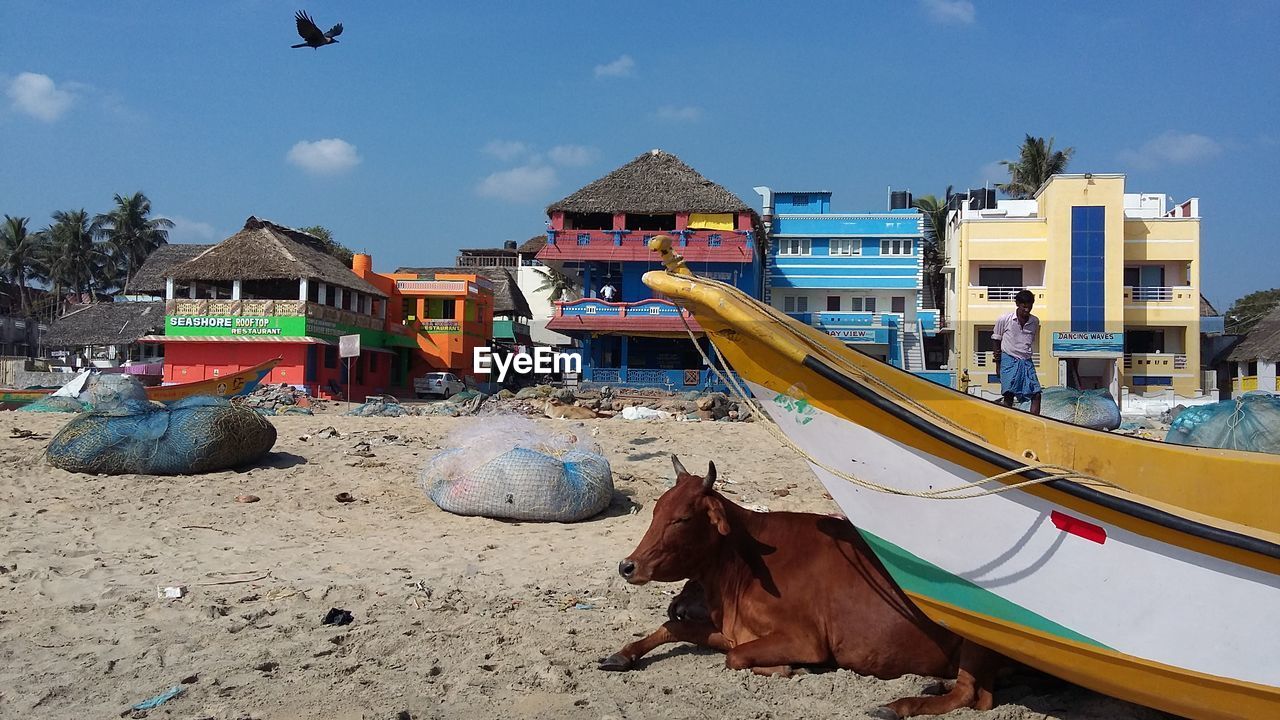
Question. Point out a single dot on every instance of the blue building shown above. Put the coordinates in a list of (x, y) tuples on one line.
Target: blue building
[(601, 233), (856, 276)]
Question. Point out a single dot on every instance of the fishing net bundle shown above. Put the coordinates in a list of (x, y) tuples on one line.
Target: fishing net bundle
[(194, 435), (1087, 408), (1249, 422), (108, 392), (508, 467)]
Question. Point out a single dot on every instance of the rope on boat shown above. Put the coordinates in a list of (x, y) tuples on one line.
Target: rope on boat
[(958, 492)]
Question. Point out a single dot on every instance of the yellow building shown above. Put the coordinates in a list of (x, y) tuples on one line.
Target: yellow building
[(1116, 278)]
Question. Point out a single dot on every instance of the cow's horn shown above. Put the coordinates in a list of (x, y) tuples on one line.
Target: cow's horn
[(709, 480), (679, 468)]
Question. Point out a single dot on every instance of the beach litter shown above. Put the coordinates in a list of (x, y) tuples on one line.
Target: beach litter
[(155, 702), (193, 435), (512, 468), (338, 616)]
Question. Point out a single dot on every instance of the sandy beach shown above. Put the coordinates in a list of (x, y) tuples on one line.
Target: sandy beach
[(462, 617)]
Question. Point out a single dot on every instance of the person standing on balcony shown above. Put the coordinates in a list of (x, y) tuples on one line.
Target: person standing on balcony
[(1015, 339), (609, 292)]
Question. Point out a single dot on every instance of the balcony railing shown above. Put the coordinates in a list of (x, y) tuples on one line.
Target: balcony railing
[(985, 360), (1002, 294), (599, 308), (1150, 294), (1155, 361), (641, 238), (269, 308)]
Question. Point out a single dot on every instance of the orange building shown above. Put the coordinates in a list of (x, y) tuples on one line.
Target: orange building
[(447, 314)]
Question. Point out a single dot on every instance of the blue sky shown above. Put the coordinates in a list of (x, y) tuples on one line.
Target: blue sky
[(433, 126)]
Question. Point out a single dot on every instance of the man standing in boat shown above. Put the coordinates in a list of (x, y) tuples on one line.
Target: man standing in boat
[(1015, 339)]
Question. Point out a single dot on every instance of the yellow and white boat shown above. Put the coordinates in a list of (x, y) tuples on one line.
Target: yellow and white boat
[(1146, 571)]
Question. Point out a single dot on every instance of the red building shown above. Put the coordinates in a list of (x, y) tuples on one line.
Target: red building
[(270, 291)]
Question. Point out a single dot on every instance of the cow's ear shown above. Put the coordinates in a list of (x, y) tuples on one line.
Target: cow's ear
[(709, 480), (715, 513), (675, 461)]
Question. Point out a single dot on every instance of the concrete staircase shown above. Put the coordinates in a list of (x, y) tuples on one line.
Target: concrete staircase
[(913, 348)]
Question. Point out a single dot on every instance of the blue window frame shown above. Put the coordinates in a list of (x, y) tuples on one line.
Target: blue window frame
[(1088, 268)]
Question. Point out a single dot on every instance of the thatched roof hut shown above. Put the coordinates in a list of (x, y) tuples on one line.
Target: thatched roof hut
[(119, 323), (1262, 342), (150, 278), (656, 182), (264, 250), (508, 300)]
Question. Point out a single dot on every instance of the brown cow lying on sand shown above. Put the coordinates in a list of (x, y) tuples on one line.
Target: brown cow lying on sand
[(777, 590)]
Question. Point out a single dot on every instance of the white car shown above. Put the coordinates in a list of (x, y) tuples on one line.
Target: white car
[(442, 384)]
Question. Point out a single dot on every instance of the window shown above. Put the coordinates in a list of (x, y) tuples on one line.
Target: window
[(799, 200), (846, 246), (855, 303), (795, 303), (833, 303), (1144, 341), (895, 247), (898, 304), (1005, 277), (869, 305), (793, 246)]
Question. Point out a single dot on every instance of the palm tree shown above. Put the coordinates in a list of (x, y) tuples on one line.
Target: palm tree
[(935, 238), (19, 256), (1037, 162), (73, 260), (562, 286), (132, 235)]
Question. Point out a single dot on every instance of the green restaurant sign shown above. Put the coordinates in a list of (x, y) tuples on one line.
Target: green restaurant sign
[(228, 325)]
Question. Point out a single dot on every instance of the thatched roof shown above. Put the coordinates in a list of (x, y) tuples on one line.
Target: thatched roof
[(654, 183), (1206, 308), (264, 250), (533, 245), (149, 280), (118, 323), (507, 296), (1262, 342)]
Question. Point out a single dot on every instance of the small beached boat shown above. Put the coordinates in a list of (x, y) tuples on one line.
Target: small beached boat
[(1146, 571), (237, 383)]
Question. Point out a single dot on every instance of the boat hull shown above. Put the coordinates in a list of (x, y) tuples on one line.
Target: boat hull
[(1147, 621), (1163, 597)]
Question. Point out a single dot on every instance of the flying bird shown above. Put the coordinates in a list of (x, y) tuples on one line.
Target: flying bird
[(311, 33)]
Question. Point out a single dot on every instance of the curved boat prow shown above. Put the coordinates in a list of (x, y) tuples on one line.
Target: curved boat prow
[(1150, 572)]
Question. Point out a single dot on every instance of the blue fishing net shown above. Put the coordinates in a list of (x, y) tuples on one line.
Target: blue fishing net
[(193, 435), (55, 403), (1249, 422), (1087, 408), (510, 468)]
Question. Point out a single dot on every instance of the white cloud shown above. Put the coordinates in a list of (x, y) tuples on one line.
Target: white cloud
[(949, 12), (1172, 148), (38, 96), (688, 113), (324, 157), (519, 185), (505, 149), (622, 67), (186, 230), (572, 155)]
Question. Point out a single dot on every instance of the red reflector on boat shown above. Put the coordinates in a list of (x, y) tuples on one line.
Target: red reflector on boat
[(1076, 526)]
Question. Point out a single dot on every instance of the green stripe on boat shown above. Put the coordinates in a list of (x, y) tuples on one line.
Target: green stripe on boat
[(918, 576)]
